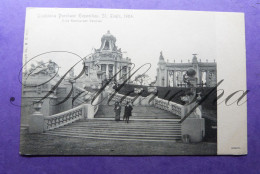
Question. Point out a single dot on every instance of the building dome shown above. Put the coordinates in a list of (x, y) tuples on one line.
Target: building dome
[(108, 36), (108, 42), (194, 59), (161, 56), (161, 59)]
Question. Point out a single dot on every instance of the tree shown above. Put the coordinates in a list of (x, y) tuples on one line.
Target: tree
[(142, 79)]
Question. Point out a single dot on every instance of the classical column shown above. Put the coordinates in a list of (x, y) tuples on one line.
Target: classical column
[(199, 77), (207, 78), (129, 71), (113, 70), (126, 72), (174, 78), (120, 74), (121, 71), (116, 70), (181, 78), (107, 70), (163, 81), (162, 78), (166, 77)]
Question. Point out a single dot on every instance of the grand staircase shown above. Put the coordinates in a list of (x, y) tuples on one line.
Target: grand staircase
[(137, 129), (146, 124)]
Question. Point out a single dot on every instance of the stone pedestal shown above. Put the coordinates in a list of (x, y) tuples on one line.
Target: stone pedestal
[(195, 128), (89, 111), (36, 120), (36, 123)]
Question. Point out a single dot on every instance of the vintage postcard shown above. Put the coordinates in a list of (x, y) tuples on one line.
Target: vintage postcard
[(133, 82)]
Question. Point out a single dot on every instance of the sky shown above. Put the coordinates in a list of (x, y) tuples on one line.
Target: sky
[(141, 34)]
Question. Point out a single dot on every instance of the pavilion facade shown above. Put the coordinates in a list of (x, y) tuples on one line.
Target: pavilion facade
[(172, 74)]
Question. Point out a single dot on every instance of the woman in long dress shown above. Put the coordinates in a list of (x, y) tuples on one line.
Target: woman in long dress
[(117, 110)]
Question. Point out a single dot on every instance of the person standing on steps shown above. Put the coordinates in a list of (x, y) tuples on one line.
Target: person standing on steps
[(117, 110), (128, 111)]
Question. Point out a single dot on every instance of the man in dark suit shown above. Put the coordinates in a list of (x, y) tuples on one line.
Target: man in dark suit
[(128, 112)]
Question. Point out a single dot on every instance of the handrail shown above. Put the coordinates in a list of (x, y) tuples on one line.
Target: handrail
[(170, 106), (63, 118), (69, 116), (62, 113), (118, 97)]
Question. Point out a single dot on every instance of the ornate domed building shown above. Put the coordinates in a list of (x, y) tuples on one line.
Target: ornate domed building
[(107, 61)]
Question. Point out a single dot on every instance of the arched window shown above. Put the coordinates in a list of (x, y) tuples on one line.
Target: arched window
[(106, 47), (203, 78)]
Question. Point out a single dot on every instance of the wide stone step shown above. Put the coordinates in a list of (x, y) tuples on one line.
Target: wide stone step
[(112, 120), (116, 137), (141, 117), (107, 128), (115, 133), (122, 130), (130, 123), (135, 120), (106, 111), (130, 127)]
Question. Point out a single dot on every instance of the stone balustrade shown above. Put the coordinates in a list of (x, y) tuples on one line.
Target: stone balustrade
[(84, 111), (118, 97), (170, 106), (40, 123), (63, 118)]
